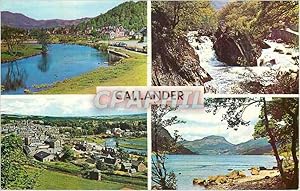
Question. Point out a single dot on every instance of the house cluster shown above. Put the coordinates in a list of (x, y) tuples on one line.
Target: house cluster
[(112, 32), (118, 132), (43, 142), (109, 155)]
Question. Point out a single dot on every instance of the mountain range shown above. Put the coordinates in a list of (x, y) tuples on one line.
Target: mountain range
[(18, 20), (216, 145)]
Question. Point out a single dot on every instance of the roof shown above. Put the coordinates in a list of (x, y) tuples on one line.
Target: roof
[(41, 155)]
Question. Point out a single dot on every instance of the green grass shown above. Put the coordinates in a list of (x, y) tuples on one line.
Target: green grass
[(131, 72), (134, 143), (63, 166), (51, 180), (92, 139), (24, 51)]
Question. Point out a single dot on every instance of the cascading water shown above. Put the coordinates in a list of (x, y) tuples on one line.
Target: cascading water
[(226, 79)]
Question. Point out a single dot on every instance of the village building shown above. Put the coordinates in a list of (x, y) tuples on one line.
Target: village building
[(43, 156), (139, 166), (95, 174)]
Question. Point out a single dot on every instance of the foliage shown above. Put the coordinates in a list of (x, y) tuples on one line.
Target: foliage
[(68, 153), (188, 15), (256, 18), (13, 159), (131, 15), (279, 122), (13, 38), (42, 37), (101, 165), (159, 121)]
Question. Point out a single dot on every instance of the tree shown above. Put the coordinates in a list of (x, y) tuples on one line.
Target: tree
[(68, 154), (14, 175), (42, 38), (13, 38), (235, 108), (284, 124), (160, 175), (101, 165)]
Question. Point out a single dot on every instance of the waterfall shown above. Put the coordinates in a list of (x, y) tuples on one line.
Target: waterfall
[(227, 79)]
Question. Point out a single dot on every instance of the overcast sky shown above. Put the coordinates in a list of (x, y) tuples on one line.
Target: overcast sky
[(59, 9), (57, 105), (200, 124)]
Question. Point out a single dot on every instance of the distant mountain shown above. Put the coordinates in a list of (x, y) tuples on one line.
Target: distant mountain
[(215, 145), (211, 145), (254, 147), (131, 15), (18, 20)]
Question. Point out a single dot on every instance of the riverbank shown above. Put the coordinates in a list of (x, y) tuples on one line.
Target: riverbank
[(24, 51), (130, 71)]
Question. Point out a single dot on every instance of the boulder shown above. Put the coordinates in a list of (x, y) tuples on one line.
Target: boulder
[(198, 181), (212, 178), (255, 171), (221, 179), (236, 49), (236, 174)]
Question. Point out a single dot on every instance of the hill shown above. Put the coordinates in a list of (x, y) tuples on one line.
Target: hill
[(18, 20), (131, 15), (211, 145), (215, 145)]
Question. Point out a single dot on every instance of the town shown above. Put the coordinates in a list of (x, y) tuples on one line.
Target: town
[(112, 147)]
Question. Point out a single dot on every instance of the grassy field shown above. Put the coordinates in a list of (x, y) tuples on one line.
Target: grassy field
[(51, 180), (131, 72), (134, 143), (24, 51)]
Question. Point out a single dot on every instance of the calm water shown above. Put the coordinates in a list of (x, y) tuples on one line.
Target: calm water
[(111, 142), (202, 166), (61, 62)]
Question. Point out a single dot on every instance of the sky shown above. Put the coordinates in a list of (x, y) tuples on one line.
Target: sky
[(200, 124), (59, 9), (57, 105)]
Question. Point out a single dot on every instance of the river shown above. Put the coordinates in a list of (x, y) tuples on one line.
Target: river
[(61, 62), (226, 78), (188, 167)]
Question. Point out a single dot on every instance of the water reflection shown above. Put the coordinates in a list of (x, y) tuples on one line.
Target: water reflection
[(14, 78), (43, 64)]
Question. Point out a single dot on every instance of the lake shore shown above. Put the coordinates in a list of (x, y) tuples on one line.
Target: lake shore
[(29, 51), (266, 179)]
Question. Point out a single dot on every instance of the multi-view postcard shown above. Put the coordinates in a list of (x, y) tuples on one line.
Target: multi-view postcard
[(149, 95), (60, 47), (230, 47)]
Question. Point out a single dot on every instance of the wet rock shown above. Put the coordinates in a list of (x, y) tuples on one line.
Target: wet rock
[(278, 50), (255, 170), (174, 61), (273, 61), (235, 50), (212, 178), (262, 168)]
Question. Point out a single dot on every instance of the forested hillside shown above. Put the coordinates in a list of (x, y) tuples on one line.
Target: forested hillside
[(256, 18), (131, 15)]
